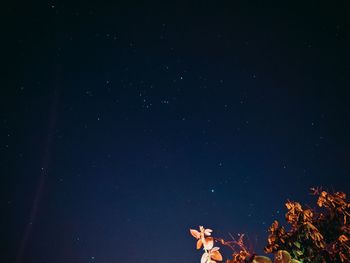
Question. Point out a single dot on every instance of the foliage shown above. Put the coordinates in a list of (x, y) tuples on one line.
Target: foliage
[(316, 236), (204, 239)]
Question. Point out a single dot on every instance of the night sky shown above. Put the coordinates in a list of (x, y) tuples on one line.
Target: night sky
[(125, 124)]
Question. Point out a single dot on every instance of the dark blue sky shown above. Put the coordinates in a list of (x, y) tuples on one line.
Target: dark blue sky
[(125, 124)]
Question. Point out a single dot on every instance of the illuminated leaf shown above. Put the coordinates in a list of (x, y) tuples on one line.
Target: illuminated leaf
[(204, 257), (343, 238), (208, 231), (195, 233), (261, 259), (216, 255), (208, 243), (199, 243)]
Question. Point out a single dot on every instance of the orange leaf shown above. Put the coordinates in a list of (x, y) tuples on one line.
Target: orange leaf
[(343, 238), (216, 255), (208, 243), (195, 233), (199, 243), (261, 259)]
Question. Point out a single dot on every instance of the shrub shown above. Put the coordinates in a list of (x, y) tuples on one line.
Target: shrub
[(313, 236)]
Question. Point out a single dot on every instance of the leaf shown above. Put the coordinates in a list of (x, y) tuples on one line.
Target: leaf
[(216, 255), (297, 244), (208, 232), (297, 253), (208, 243), (343, 238), (195, 233), (282, 256), (204, 257), (261, 259), (199, 243)]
